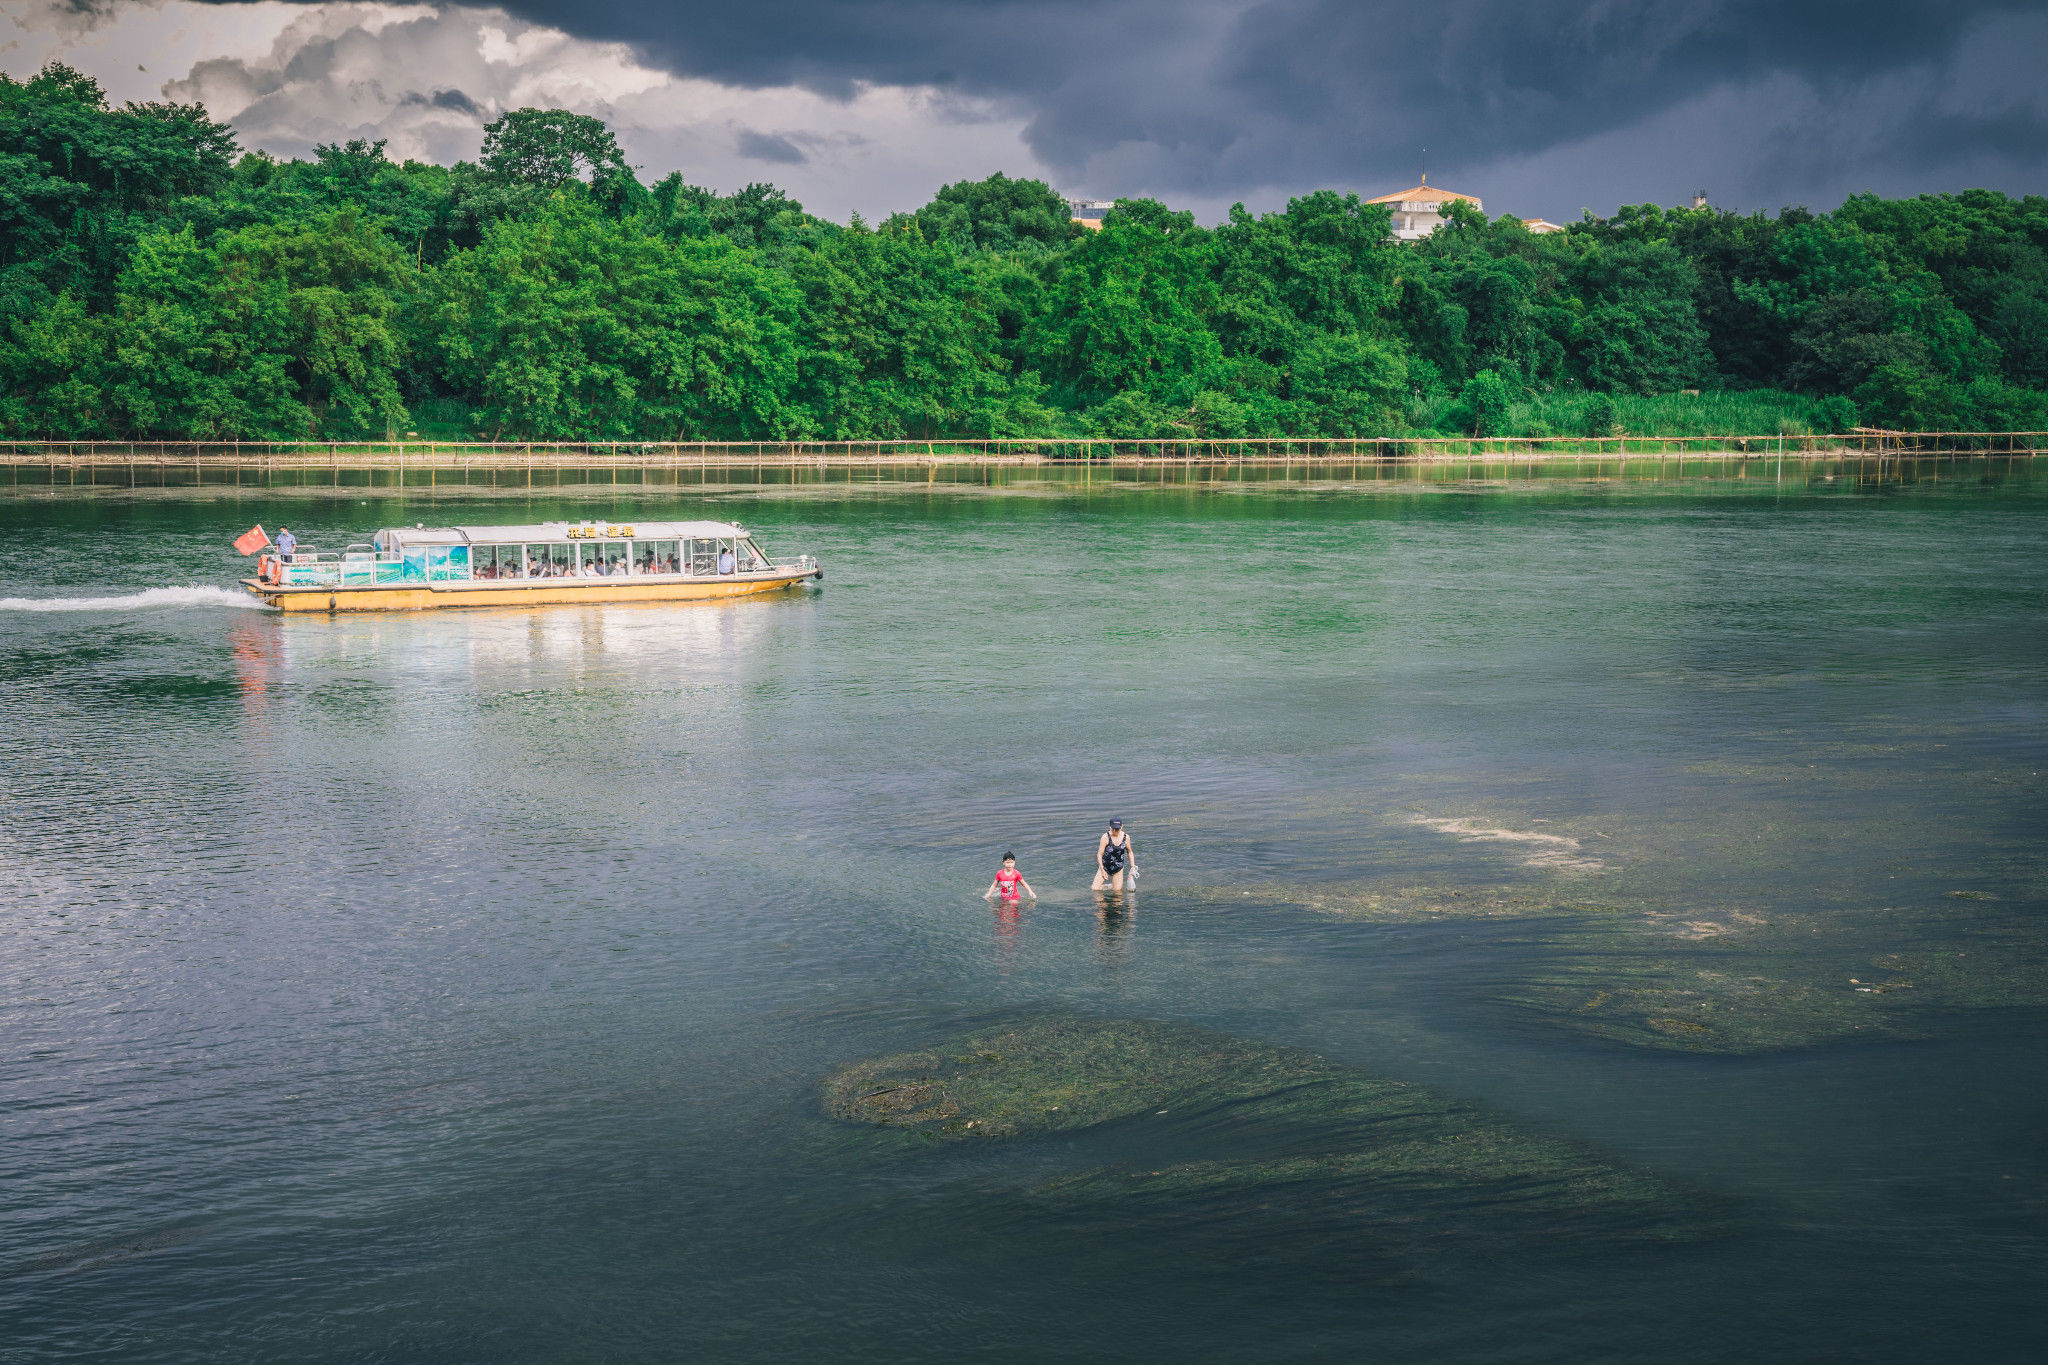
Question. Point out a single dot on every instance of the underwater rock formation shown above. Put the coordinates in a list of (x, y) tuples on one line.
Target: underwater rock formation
[(1290, 1136), (1795, 981)]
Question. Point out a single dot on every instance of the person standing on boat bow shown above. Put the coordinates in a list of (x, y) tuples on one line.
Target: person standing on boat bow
[(1113, 854), (287, 544)]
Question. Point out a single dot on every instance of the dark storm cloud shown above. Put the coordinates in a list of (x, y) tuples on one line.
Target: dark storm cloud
[(1207, 97), (446, 99), (769, 147), (1481, 77), (1212, 98)]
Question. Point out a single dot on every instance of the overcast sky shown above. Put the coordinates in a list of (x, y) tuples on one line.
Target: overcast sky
[(1540, 108)]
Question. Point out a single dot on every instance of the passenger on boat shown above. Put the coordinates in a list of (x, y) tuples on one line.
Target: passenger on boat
[(726, 563), (672, 566), (287, 544)]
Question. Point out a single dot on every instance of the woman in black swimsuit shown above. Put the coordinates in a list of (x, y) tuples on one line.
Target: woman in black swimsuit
[(1112, 855)]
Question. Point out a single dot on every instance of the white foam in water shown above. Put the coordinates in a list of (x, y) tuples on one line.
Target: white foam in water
[(134, 601)]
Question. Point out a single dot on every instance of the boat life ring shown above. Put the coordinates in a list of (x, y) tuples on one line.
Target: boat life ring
[(266, 570)]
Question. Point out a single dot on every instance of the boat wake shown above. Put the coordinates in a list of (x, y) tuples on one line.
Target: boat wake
[(145, 600)]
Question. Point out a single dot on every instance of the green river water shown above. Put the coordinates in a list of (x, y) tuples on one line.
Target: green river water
[(1580, 919)]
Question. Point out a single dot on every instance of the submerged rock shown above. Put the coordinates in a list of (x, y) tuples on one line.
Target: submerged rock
[(1789, 983), (1386, 901), (1286, 1137), (1057, 1073)]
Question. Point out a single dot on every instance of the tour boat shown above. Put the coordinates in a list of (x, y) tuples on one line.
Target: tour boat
[(407, 569)]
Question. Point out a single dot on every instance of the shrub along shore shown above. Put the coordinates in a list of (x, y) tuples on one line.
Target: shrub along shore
[(157, 283)]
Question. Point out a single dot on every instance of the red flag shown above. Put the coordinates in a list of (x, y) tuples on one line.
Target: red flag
[(252, 541)]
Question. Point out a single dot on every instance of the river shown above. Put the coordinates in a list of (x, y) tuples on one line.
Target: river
[(469, 985)]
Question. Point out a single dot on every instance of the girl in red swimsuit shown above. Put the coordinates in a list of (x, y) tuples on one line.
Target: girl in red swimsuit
[(1008, 881)]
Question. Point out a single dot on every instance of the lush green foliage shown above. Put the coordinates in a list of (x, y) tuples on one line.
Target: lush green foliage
[(153, 285)]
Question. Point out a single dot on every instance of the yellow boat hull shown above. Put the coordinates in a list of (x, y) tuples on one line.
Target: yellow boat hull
[(519, 593)]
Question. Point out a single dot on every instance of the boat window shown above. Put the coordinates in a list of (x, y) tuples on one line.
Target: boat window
[(495, 561), (447, 562), (751, 558), (558, 561), (704, 556), (657, 556)]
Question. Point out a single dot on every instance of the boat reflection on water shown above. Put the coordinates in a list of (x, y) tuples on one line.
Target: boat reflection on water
[(491, 640)]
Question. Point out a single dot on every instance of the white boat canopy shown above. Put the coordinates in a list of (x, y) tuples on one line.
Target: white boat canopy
[(398, 537)]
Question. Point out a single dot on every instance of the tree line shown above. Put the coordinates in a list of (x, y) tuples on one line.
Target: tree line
[(158, 283)]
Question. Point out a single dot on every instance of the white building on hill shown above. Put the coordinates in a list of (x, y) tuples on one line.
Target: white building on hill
[(1088, 212), (1420, 211)]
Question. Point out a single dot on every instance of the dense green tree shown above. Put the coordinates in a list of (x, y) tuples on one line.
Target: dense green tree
[(80, 182), (757, 216), (998, 214), (1487, 295), (1639, 331), (549, 149), (1485, 400), (1127, 311), (153, 282), (1346, 384), (899, 342), (270, 332), (53, 371), (576, 326), (1748, 342)]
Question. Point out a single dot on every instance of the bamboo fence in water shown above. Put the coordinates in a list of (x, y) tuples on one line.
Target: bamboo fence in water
[(428, 463)]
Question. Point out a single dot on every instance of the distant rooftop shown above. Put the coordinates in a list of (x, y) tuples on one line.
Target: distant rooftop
[(1422, 194)]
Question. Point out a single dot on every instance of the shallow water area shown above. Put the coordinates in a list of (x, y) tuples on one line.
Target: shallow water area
[(472, 984)]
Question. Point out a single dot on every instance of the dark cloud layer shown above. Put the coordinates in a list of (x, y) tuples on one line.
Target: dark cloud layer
[(769, 147), (1212, 98)]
